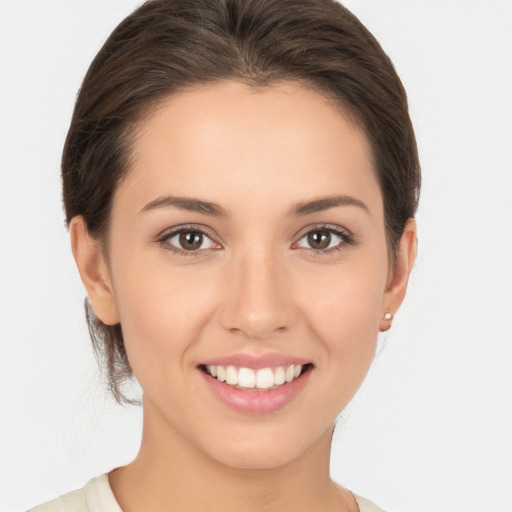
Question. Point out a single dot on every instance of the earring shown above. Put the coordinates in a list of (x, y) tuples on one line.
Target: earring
[(388, 316)]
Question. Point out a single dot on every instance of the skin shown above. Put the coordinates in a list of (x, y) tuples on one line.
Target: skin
[(257, 286)]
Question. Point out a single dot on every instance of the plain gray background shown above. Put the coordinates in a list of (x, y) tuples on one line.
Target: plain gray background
[(431, 429)]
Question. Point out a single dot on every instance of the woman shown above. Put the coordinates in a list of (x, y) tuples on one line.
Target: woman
[(240, 183)]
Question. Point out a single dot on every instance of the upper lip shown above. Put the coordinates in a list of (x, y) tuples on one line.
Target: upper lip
[(256, 362)]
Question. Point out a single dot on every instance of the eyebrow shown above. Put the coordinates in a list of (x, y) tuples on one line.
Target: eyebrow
[(298, 210), (187, 203), (325, 203)]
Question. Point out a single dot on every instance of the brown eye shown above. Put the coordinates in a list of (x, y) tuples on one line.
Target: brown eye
[(187, 241), (324, 239), (191, 240), (319, 240)]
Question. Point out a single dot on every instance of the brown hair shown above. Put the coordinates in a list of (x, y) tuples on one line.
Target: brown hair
[(166, 45)]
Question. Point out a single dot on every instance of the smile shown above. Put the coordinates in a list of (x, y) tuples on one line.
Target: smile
[(259, 388), (262, 379)]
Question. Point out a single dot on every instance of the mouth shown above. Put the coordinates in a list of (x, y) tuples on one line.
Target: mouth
[(252, 379), (259, 390)]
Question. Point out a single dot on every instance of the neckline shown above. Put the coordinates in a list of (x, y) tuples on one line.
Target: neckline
[(100, 497)]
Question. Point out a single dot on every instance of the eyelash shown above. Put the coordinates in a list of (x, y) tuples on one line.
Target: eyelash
[(346, 239), (163, 240)]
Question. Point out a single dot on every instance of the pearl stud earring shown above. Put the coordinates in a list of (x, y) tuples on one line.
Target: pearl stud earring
[(388, 316)]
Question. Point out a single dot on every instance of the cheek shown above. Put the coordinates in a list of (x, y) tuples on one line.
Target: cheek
[(162, 313), (344, 313)]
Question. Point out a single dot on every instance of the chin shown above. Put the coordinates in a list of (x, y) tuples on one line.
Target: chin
[(266, 450), (256, 459)]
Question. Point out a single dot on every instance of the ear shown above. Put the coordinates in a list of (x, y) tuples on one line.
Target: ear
[(399, 274), (91, 263)]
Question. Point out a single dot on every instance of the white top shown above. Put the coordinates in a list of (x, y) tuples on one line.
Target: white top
[(97, 496)]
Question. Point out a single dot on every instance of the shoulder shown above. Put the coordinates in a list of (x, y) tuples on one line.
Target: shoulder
[(366, 505), (72, 501), (96, 496)]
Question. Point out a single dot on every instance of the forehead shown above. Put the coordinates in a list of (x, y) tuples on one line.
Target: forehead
[(275, 141)]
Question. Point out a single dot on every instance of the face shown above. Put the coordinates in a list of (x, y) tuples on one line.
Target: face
[(247, 243)]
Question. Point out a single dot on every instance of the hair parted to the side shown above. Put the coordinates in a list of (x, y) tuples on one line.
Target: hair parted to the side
[(168, 45)]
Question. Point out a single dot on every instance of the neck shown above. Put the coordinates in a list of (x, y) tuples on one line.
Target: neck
[(170, 473)]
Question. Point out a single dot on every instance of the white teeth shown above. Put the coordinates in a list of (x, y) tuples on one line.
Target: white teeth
[(279, 376), (264, 378), (221, 373), (247, 378), (231, 376)]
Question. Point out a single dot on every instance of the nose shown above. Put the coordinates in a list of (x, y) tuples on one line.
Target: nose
[(259, 297)]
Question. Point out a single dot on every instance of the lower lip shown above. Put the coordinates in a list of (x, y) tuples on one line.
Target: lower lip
[(256, 402)]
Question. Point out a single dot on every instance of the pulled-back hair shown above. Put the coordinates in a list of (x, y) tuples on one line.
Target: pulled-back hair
[(168, 45)]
